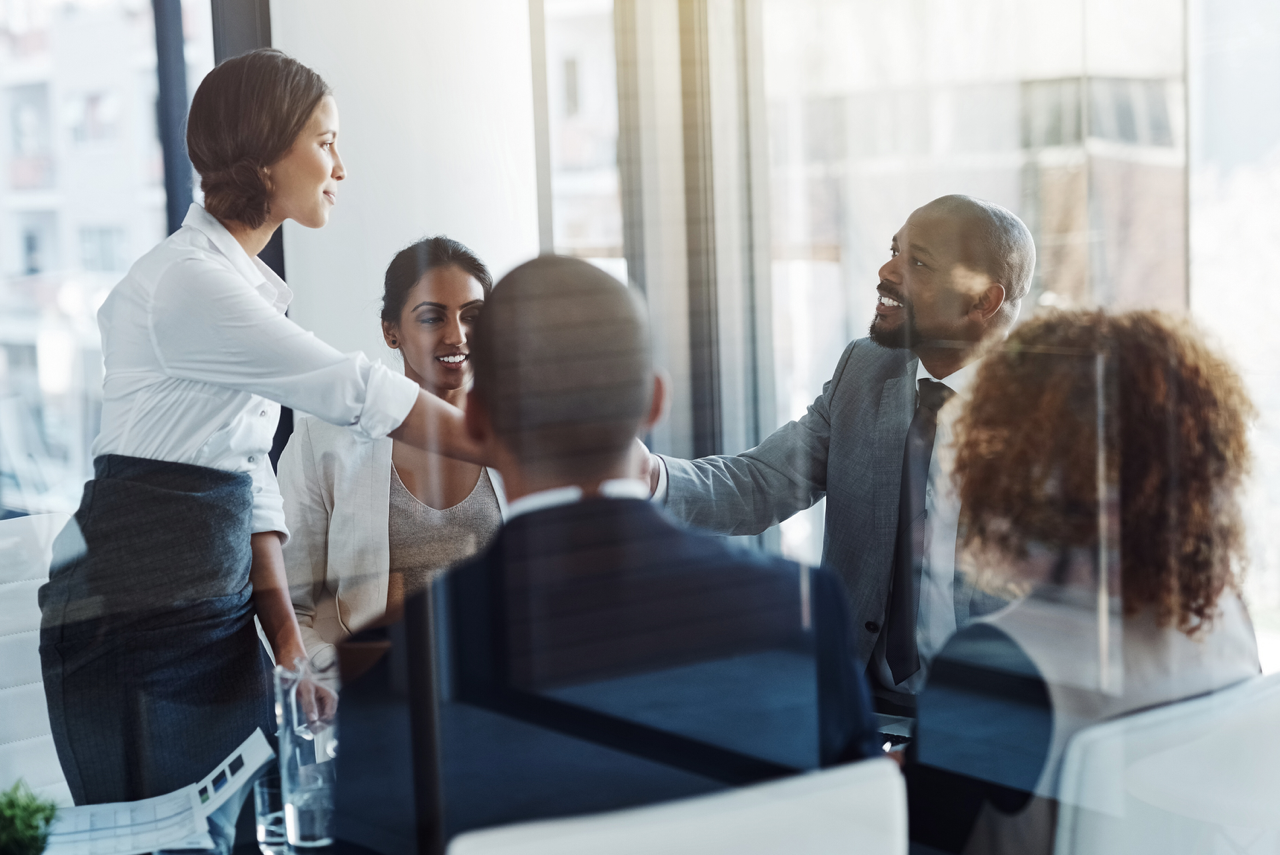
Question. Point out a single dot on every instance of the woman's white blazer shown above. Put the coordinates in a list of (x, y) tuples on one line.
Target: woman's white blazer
[(336, 489)]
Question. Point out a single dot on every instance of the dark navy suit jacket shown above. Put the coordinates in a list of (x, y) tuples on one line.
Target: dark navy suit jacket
[(603, 590), (597, 656)]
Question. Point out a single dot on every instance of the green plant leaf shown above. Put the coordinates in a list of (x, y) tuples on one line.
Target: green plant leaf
[(24, 821)]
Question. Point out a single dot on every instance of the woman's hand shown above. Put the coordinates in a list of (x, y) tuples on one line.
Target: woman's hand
[(318, 704)]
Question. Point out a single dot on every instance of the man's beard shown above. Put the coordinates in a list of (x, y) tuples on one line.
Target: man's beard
[(902, 337)]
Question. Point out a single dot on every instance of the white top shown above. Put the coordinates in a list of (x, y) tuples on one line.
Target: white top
[(198, 352), (1144, 666), (936, 618)]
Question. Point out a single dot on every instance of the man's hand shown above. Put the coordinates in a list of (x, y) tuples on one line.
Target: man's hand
[(646, 465)]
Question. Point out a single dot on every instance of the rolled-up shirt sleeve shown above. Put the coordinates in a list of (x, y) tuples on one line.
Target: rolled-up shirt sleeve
[(208, 325), (268, 504)]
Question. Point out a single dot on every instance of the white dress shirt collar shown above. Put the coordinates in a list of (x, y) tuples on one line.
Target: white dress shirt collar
[(253, 269), (618, 488), (957, 381)]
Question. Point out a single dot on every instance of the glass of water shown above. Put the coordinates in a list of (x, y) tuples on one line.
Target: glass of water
[(306, 702), (268, 808)]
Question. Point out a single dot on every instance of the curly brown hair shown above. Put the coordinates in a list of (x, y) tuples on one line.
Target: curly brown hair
[(1175, 436)]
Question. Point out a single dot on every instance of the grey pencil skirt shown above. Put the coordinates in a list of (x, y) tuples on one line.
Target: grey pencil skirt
[(153, 670)]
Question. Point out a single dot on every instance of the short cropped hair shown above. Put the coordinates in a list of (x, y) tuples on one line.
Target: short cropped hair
[(246, 115), (562, 363), (417, 259), (1175, 440), (1007, 250)]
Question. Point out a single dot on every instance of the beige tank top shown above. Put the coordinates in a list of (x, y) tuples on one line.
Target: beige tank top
[(425, 541)]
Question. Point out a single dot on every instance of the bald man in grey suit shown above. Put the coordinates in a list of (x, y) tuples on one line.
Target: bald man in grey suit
[(958, 271)]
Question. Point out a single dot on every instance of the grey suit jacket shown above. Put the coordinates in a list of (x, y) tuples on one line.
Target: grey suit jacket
[(847, 447)]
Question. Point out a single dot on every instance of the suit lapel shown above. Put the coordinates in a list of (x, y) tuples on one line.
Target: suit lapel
[(897, 402)]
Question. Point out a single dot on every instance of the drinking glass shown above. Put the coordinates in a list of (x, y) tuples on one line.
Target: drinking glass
[(306, 702), (268, 808)]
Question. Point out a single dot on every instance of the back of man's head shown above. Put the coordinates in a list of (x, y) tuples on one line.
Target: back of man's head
[(562, 364)]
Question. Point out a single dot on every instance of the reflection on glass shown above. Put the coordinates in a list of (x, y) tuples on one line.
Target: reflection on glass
[(81, 171), (1061, 112)]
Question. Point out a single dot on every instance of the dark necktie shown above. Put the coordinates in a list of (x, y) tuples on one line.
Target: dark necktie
[(901, 653)]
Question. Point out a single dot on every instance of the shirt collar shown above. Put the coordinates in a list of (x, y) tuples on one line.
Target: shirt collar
[(618, 488), (251, 269), (957, 381)]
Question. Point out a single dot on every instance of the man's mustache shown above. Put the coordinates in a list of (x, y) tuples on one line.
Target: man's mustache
[(887, 290)]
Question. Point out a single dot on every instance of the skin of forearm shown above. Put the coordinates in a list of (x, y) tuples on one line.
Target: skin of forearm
[(271, 598), (434, 425)]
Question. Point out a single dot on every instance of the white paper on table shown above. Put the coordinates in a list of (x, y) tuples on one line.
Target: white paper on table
[(177, 820), (171, 821), (229, 775)]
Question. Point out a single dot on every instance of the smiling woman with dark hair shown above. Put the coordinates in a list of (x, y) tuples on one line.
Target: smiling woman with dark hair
[(152, 665), (374, 522)]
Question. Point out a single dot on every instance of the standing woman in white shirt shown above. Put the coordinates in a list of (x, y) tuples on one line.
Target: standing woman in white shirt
[(152, 666)]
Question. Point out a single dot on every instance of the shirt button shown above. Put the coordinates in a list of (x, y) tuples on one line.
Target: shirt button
[(872, 626), (252, 459), (263, 413)]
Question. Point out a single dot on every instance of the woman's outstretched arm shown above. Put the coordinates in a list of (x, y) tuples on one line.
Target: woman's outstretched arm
[(437, 426)]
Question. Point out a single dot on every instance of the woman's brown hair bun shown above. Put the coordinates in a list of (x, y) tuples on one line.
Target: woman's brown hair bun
[(244, 117)]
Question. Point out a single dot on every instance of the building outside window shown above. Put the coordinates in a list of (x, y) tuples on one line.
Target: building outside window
[(83, 198), (102, 249), (1074, 115), (582, 96)]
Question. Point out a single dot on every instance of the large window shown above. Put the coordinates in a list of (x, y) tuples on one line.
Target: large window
[(582, 105), (1235, 249), (83, 192), (1075, 116)]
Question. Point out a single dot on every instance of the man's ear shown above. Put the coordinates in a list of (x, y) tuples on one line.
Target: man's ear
[(476, 419), (989, 302), (658, 405)]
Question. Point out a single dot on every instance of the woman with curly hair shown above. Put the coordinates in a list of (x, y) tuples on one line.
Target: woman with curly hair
[(1090, 441), (152, 666)]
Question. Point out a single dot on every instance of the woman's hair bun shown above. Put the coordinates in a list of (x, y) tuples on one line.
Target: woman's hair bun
[(236, 193), (245, 116)]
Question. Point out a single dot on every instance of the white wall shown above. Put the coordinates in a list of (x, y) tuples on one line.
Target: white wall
[(436, 111)]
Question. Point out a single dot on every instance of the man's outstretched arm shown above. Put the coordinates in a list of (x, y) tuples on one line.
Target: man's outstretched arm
[(744, 494)]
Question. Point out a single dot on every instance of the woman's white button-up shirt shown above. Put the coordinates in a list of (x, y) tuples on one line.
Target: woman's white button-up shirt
[(199, 356)]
